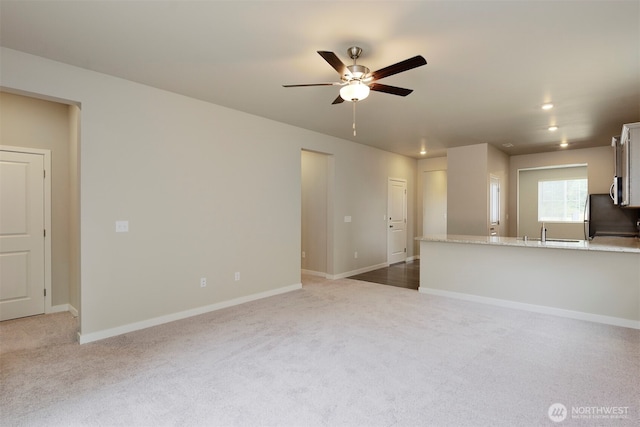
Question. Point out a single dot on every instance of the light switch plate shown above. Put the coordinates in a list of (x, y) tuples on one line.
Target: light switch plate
[(122, 226), (347, 219)]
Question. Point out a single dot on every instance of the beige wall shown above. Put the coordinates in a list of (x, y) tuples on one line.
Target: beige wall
[(74, 206), (498, 165), (425, 165), (315, 193), (468, 173), (207, 191), (359, 177), (35, 123), (467, 190), (528, 224), (466, 185), (599, 161)]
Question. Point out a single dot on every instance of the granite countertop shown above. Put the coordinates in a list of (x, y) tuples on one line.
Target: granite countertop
[(603, 244)]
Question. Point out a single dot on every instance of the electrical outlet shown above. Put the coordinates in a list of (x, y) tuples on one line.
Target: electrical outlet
[(237, 276), (355, 254), (304, 254), (203, 282), (122, 226)]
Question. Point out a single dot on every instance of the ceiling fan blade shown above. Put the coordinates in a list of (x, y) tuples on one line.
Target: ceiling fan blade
[(393, 90), (314, 84), (401, 66), (338, 100), (334, 61)]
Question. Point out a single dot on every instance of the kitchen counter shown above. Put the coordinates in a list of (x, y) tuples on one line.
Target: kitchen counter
[(595, 280), (603, 244)]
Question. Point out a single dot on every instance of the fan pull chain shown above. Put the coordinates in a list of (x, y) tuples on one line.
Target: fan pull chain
[(354, 119)]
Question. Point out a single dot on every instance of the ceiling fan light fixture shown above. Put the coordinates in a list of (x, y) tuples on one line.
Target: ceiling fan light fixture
[(354, 91)]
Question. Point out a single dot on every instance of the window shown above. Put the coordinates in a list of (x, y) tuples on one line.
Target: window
[(562, 200), (494, 200)]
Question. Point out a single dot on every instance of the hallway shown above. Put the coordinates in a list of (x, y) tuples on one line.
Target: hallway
[(402, 275)]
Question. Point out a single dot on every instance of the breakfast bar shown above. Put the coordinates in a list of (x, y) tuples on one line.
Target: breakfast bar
[(591, 280)]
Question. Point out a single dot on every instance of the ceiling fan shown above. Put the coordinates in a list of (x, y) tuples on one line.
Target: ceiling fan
[(357, 80)]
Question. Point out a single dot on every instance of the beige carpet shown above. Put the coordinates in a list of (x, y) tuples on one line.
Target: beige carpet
[(336, 353)]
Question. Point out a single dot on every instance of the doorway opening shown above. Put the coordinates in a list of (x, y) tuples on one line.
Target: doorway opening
[(57, 126), (317, 195)]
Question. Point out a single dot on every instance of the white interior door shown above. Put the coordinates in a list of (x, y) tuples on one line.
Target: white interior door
[(397, 223), (22, 241), (434, 202)]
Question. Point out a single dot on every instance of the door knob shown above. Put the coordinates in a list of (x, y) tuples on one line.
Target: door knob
[(391, 226)]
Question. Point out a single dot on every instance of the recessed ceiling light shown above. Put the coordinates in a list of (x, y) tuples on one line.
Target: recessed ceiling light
[(564, 144), (547, 106), (423, 152), (553, 128)]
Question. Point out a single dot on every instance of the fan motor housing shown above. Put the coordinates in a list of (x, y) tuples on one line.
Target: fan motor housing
[(356, 72)]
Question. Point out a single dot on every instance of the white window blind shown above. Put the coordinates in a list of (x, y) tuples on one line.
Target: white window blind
[(562, 200), (494, 200)]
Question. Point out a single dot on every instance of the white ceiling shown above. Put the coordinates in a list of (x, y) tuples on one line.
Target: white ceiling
[(491, 64)]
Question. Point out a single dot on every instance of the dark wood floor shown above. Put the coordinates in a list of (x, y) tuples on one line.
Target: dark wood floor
[(402, 275)]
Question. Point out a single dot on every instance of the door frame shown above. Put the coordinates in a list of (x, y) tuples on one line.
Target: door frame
[(406, 214), (47, 214)]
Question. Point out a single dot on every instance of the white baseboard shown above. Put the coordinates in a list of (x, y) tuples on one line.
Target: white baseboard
[(358, 271), (314, 273), (64, 307), (73, 311), (413, 258), (578, 315), (131, 327), (59, 308)]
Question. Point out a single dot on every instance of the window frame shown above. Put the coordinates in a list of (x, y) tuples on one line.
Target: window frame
[(565, 199), (494, 200)]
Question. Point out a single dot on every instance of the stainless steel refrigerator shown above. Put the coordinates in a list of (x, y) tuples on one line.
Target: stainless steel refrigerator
[(603, 218)]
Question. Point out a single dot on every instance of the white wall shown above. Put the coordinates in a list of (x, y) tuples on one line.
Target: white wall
[(581, 284), (207, 191)]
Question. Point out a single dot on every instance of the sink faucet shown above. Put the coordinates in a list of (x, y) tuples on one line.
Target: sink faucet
[(543, 233)]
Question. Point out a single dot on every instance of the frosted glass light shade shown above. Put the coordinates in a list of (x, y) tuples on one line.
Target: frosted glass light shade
[(354, 92)]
